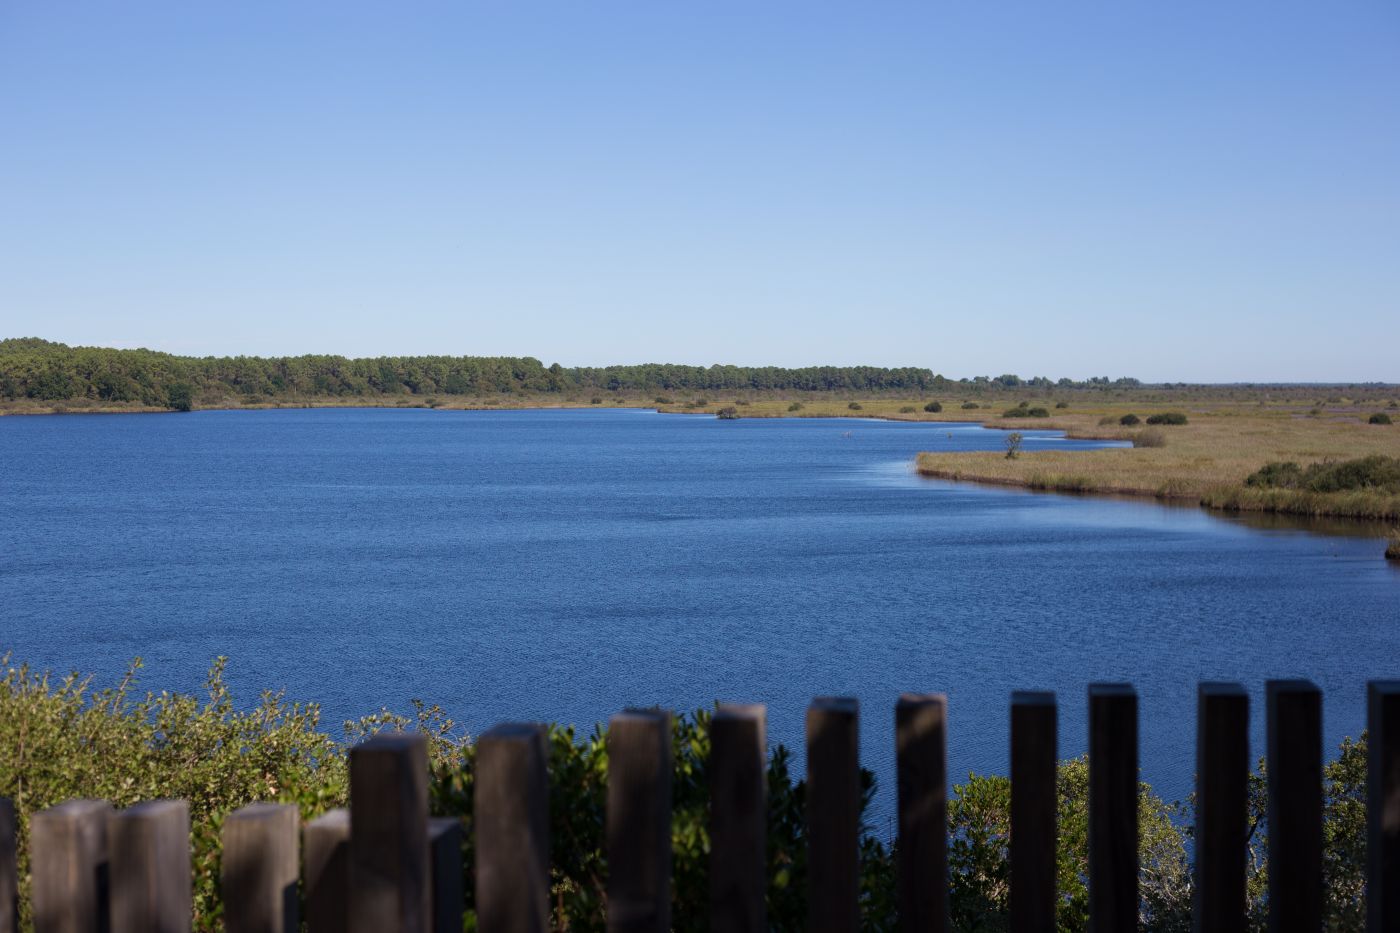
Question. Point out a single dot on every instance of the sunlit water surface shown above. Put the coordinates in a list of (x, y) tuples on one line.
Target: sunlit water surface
[(560, 565)]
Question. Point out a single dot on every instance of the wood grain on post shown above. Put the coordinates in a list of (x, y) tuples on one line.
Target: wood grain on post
[(1222, 802), (639, 822), (1034, 807), (9, 868), (390, 877), (259, 869), (738, 819), (1295, 805), (148, 846), (68, 864), (445, 848), (326, 854), (511, 817), (1383, 806), (833, 815), (921, 750), (1113, 808)]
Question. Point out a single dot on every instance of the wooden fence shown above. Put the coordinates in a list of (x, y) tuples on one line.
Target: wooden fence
[(386, 866)]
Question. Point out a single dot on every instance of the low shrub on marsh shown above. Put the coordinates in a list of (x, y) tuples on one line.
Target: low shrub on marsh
[(968, 406), (907, 409), (1377, 472), (854, 406), (934, 407), (664, 400), (595, 400), (1107, 419), (795, 406), (1150, 438), (1062, 404), (1021, 411), (1380, 417), (1129, 420), (1167, 417), (728, 414)]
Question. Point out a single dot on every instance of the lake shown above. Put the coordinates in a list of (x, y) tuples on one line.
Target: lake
[(560, 565)]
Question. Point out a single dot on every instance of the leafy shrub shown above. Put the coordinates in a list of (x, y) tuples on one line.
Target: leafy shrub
[(795, 406), (742, 401), (1167, 417), (701, 402), (1013, 444), (933, 407), (1037, 413), (1020, 411), (728, 414), (1380, 417), (1376, 472), (1107, 419), (1129, 420), (664, 400), (1062, 404), (596, 400), (968, 406), (854, 406), (61, 740), (907, 409), (1152, 437), (180, 397)]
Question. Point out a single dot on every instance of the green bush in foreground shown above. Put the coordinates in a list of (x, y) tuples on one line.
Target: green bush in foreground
[(935, 407), (854, 406), (968, 406), (1379, 417), (60, 739), (1167, 417), (1129, 420)]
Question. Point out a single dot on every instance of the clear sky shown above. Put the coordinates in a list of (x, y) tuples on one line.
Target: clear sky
[(1195, 191)]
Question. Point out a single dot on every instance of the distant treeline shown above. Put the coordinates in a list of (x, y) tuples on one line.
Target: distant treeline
[(31, 368)]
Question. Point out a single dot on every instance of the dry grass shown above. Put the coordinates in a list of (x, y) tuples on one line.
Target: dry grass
[(1206, 460)]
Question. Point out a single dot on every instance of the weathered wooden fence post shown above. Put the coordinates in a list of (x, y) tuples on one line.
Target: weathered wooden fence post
[(833, 815), (738, 819), (9, 867), (148, 847), (68, 862), (921, 752), (511, 817), (639, 822), (260, 866), (1383, 806), (326, 853), (1295, 805), (1034, 804), (1113, 808), (390, 878), (1222, 802), (445, 846)]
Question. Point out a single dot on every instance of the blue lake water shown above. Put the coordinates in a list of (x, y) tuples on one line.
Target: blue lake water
[(560, 565)]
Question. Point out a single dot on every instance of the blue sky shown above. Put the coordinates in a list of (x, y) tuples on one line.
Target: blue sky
[(1195, 191)]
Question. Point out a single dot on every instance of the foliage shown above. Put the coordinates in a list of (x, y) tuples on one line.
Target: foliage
[(1392, 545), (596, 400), (1129, 420), (1167, 417), (31, 368), (1379, 417), (1062, 404), (968, 406), (1376, 472), (1013, 445), (795, 406), (61, 739), (933, 407), (1021, 411), (854, 406), (664, 400), (180, 396), (729, 413)]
